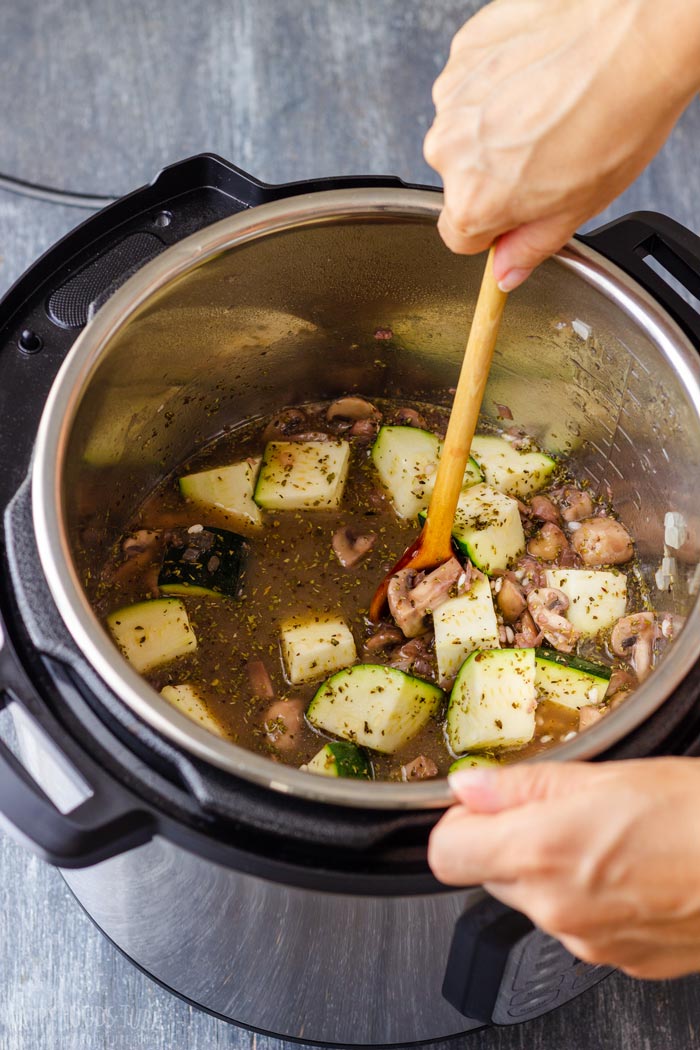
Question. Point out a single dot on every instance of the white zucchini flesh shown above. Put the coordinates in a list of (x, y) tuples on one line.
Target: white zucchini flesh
[(472, 762), (406, 459), (493, 701), (227, 489), (303, 475), (152, 633), (597, 598), (315, 648), (488, 529), (375, 706), (568, 686), (517, 473), (186, 699), (463, 625)]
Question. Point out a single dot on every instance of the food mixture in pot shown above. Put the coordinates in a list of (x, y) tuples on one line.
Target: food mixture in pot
[(241, 591)]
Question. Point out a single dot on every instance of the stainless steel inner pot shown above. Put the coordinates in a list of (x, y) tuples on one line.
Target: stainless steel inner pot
[(279, 305)]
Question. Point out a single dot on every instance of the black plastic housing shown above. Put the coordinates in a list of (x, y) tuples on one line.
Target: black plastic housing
[(168, 791)]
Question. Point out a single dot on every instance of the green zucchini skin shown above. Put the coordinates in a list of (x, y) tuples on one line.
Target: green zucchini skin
[(209, 562), (574, 663), (340, 758), (570, 681)]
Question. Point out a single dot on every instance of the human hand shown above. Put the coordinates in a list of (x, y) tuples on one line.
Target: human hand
[(605, 857), (547, 110)]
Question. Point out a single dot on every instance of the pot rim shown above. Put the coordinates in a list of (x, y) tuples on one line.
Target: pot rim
[(323, 207)]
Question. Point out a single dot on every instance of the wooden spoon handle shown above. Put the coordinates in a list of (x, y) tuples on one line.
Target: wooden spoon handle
[(436, 538)]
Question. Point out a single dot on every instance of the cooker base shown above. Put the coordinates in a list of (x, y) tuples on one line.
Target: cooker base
[(232, 1020), (317, 967)]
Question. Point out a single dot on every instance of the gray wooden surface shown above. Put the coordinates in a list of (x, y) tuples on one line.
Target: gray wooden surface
[(97, 97)]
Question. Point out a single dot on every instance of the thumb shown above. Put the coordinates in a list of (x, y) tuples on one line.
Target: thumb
[(490, 790), (519, 251)]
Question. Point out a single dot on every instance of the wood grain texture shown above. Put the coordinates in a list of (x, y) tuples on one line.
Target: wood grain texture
[(97, 97)]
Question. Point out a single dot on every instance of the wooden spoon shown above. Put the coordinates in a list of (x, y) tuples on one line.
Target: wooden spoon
[(434, 544)]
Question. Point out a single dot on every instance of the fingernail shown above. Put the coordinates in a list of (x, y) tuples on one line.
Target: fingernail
[(513, 278), (476, 779)]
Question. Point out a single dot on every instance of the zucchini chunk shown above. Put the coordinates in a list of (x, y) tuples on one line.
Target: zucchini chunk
[(493, 701), (302, 475), (597, 598), (205, 561), (517, 473), (314, 648), (488, 529), (463, 625), (339, 758), (472, 761), (406, 459), (226, 489), (186, 699), (152, 633), (568, 680), (379, 707)]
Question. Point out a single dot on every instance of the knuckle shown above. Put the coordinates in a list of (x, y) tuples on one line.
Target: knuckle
[(432, 147), (461, 227), (439, 89)]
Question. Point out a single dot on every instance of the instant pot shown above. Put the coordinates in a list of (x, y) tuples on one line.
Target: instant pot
[(298, 905)]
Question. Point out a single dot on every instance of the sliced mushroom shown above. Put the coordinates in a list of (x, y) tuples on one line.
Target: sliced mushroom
[(283, 723), (529, 572), (568, 559), (633, 637), (141, 541), (140, 567), (549, 542), (415, 656), (383, 638), (410, 604), (527, 633), (511, 600), (259, 680), (621, 681), (350, 546), (286, 423), (518, 437), (589, 715), (421, 768), (602, 541), (546, 606), (525, 513), (364, 429), (408, 417), (541, 507), (352, 408), (574, 503)]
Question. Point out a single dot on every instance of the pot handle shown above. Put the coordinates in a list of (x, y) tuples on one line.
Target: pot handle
[(502, 970), (104, 821), (636, 240)]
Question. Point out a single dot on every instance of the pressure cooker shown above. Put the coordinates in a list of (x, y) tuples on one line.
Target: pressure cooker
[(297, 905)]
